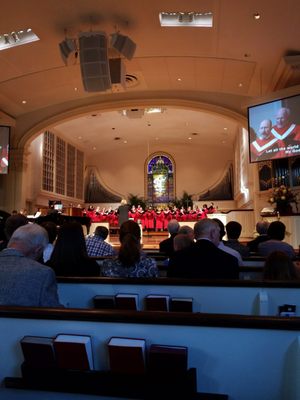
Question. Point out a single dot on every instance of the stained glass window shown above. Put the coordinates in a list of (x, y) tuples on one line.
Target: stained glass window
[(160, 179)]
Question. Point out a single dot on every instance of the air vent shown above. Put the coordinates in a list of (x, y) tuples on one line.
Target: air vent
[(131, 80)]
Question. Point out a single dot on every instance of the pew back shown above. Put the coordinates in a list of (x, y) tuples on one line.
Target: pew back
[(233, 297), (245, 357)]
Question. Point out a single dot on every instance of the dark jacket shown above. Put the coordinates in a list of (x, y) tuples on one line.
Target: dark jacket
[(203, 260)]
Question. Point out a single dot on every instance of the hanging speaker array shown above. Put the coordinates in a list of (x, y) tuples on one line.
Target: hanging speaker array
[(98, 72), (94, 64)]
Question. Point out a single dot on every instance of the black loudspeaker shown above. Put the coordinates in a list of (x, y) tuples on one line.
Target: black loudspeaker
[(123, 44), (94, 61), (66, 47), (117, 74)]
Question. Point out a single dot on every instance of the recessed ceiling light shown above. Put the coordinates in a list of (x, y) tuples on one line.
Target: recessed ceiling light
[(75, 88), (189, 138), (94, 148), (24, 101), (225, 129), (256, 16), (125, 141), (240, 85), (179, 79)]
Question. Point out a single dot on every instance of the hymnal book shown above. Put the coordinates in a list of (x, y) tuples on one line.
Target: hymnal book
[(181, 304), (74, 352), (127, 301), (168, 359), (157, 302), (127, 355), (104, 302), (287, 310), (38, 351)]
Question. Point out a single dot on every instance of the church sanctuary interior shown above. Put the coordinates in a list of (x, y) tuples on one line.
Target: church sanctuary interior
[(160, 103)]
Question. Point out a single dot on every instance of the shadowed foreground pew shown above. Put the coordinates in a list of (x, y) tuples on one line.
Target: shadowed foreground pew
[(231, 297), (245, 357)]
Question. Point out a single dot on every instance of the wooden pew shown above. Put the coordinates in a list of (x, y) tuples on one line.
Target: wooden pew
[(246, 357), (233, 297)]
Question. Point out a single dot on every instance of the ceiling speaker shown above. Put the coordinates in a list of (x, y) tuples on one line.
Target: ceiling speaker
[(117, 74), (94, 61), (66, 47), (123, 44)]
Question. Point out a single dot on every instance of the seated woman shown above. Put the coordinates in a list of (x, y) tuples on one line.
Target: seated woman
[(69, 256), (131, 262), (279, 267)]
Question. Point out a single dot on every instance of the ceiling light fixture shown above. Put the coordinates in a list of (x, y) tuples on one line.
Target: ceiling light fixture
[(192, 19), (154, 110), (256, 16), (17, 38)]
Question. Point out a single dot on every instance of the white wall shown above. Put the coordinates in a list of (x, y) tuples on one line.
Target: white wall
[(197, 167)]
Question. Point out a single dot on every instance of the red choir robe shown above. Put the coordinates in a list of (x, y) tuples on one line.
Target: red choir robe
[(149, 219), (270, 147), (159, 220)]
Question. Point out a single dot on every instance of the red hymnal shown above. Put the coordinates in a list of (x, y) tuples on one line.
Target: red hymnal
[(184, 304), (157, 302), (74, 352), (38, 351), (127, 301), (104, 302), (127, 355), (167, 359)]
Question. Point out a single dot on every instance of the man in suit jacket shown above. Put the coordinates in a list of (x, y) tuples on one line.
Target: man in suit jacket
[(167, 245), (23, 280), (203, 259)]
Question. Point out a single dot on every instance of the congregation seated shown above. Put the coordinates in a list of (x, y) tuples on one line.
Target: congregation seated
[(203, 259), (96, 245), (166, 246), (187, 230), (262, 230), (276, 233), (69, 256), (279, 266), (131, 261), (182, 241), (222, 246), (233, 230), (23, 280), (51, 229), (11, 224)]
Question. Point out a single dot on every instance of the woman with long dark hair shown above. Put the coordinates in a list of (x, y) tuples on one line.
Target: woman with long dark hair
[(131, 262), (69, 256)]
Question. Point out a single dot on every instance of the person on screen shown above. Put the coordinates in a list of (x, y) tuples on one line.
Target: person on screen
[(266, 145), (284, 128)]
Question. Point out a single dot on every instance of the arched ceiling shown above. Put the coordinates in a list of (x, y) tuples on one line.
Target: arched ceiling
[(228, 65)]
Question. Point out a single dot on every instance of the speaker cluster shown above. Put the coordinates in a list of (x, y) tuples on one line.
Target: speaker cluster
[(98, 72)]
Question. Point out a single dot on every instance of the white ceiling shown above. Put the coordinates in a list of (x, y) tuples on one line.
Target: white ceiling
[(228, 65)]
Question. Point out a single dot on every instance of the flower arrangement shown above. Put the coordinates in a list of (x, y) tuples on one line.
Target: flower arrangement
[(282, 196)]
